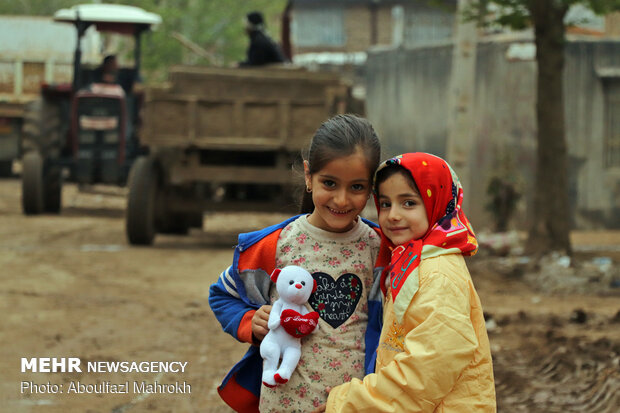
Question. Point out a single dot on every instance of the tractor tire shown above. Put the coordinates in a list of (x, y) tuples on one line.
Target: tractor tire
[(52, 189), (42, 128), (32, 183), (141, 202)]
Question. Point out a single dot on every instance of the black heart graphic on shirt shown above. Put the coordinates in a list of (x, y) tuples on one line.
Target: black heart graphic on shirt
[(335, 300)]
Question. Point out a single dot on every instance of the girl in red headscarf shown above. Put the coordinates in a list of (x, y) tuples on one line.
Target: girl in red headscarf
[(434, 353)]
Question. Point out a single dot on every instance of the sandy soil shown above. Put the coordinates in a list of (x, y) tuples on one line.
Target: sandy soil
[(71, 286)]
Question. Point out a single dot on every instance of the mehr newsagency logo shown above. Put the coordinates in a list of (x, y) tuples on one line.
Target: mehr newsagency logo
[(75, 365)]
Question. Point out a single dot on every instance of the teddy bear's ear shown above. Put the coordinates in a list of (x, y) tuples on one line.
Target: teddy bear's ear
[(274, 274), (314, 285)]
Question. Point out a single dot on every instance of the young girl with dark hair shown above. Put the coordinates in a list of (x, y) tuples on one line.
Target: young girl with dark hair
[(434, 353), (339, 249)]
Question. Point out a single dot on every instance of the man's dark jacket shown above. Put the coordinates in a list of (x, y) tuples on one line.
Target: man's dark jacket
[(262, 50)]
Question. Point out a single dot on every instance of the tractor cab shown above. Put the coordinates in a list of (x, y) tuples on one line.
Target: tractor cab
[(88, 126), (111, 18)]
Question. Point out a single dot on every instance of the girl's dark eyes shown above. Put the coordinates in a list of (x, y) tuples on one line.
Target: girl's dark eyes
[(406, 204), (328, 183)]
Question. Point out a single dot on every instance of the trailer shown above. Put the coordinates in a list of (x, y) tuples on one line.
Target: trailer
[(11, 118), (224, 140)]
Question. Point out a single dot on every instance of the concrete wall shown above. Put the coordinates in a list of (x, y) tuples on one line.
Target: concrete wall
[(407, 102)]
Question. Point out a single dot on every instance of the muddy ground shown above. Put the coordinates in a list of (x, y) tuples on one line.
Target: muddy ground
[(71, 286)]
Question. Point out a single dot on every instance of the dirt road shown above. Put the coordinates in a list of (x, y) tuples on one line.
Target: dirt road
[(72, 287)]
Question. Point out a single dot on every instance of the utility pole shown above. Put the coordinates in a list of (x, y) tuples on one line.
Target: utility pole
[(461, 99)]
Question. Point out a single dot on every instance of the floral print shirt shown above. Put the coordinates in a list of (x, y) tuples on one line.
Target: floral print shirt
[(342, 264)]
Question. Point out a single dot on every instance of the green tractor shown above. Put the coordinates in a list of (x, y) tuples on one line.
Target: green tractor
[(87, 128)]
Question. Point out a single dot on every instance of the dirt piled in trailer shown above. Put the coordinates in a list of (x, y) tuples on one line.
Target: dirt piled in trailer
[(72, 287)]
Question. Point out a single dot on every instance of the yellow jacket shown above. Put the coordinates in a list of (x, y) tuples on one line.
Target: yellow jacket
[(438, 360)]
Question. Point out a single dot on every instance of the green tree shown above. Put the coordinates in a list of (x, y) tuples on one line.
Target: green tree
[(35, 7), (549, 230), (214, 25)]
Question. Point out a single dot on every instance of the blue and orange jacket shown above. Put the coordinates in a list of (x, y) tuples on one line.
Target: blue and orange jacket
[(244, 287)]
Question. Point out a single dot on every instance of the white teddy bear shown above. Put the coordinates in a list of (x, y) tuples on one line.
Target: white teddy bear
[(289, 320)]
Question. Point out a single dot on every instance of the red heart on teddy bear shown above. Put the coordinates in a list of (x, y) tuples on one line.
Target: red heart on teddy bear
[(298, 325)]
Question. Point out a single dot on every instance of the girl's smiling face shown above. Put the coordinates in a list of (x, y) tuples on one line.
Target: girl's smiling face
[(402, 215), (340, 191)]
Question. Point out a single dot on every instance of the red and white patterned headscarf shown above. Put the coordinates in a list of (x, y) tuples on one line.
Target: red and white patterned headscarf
[(449, 231)]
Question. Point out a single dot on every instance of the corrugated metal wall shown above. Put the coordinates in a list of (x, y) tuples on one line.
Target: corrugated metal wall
[(597, 187), (407, 101)]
